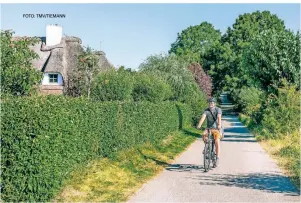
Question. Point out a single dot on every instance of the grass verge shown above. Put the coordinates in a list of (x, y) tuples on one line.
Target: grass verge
[(116, 179), (285, 150)]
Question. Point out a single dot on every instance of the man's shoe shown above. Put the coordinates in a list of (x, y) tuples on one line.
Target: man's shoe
[(216, 162)]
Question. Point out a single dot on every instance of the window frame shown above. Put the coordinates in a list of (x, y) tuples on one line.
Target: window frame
[(53, 80)]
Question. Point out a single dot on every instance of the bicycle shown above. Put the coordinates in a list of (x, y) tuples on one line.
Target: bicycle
[(209, 152)]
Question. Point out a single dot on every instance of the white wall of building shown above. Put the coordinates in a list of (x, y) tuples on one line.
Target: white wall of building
[(45, 80), (54, 34)]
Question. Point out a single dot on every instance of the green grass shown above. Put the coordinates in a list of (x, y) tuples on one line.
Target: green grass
[(116, 179), (285, 149)]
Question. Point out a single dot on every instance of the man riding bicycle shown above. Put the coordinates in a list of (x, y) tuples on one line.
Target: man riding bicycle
[(214, 123)]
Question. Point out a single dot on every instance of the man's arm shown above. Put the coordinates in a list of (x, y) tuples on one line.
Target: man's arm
[(201, 121), (219, 118)]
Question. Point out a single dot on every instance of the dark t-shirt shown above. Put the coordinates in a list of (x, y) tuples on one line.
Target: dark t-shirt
[(210, 119)]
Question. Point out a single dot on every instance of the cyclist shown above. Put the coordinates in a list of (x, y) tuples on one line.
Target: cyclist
[(214, 120)]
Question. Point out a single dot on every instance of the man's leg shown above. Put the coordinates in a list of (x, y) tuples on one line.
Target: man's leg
[(217, 137), (217, 147)]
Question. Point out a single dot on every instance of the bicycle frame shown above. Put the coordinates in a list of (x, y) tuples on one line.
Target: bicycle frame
[(209, 153)]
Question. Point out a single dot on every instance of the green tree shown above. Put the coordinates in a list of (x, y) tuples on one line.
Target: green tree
[(18, 77), (216, 62), (272, 57), (193, 42), (246, 27), (87, 68), (126, 69), (174, 70)]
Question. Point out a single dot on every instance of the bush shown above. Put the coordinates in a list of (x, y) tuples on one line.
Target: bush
[(18, 77), (282, 113), (81, 77), (201, 78), (174, 71), (180, 79), (113, 86), (151, 88), (198, 103), (43, 139), (249, 99)]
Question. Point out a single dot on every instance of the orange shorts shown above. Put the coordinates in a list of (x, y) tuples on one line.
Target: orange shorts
[(216, 134)]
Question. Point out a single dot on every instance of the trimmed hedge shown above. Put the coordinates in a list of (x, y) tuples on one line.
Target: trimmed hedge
[(113, 86), (45, 138)]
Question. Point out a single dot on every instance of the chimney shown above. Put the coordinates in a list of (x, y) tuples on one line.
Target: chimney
[(54, 34)]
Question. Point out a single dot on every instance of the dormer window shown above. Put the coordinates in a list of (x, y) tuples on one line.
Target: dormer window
[(53, 78)]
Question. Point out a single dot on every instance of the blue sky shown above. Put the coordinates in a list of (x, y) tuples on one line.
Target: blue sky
[(129, 33)]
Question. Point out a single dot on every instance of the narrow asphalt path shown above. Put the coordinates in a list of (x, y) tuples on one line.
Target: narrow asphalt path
[(245, 174)]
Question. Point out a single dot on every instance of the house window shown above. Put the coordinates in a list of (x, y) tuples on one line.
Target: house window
[(53, 78)]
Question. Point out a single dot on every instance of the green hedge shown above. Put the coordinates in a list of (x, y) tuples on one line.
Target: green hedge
[(281, 115), (44, 138), (113, 86)]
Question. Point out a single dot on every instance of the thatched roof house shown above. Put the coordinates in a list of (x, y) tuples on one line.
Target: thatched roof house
[(58, 59)]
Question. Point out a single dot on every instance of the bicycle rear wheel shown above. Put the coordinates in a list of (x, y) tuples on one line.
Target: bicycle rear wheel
[(207, 156)]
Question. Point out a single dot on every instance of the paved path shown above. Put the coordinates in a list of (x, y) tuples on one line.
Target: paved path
[(245, 174)]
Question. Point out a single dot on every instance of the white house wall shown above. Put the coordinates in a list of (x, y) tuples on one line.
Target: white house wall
[(45, 80)]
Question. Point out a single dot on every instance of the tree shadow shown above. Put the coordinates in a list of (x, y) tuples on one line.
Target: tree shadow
[(236, 124), (240, 130), (180, 117), (172, 167), (238, 136), (158, 162), (274, 183), (183, 167), (230, 140), (187, 132)]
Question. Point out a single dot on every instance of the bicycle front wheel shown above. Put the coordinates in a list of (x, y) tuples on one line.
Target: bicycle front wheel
[(207, 156)]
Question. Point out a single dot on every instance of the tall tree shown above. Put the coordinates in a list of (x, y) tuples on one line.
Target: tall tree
[(174, 70), (18, 76), (194, 41), (272, 57), (87, 68), (201, 78), (216, 62), (247, 27)]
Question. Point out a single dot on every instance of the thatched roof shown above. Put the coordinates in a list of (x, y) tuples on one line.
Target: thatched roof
[(62, 58), (52, 58), (103, 63)]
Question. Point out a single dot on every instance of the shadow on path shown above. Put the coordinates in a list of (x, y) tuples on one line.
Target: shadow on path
[(274, 183), (183, 167)]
